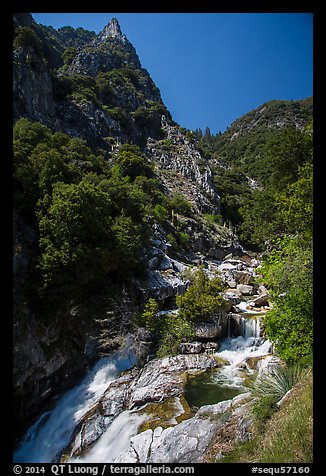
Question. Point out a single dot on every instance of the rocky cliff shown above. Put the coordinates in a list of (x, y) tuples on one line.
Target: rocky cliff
[(177, 162)]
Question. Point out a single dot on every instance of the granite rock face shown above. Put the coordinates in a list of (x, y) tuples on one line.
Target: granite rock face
[(188, 441), (43, 360), (208, 330), (44, 354), (32, 88), (163, 378)]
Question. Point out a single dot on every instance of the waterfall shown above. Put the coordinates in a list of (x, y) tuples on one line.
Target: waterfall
[(115, 440), (251, 327), (235, 351), (46, 439), (243, 326), (257, 327)]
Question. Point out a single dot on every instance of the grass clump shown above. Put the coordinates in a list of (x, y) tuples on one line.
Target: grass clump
[(282, 436), (276, 382)]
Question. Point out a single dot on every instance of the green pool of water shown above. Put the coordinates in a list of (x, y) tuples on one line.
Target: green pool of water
[(203, 389)]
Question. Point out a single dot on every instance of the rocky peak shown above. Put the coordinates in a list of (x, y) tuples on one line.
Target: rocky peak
[(109, 50), (112, 30)]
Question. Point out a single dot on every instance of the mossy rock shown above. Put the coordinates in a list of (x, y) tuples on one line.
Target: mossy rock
[(221, 361), (166, 414), (253, 361)]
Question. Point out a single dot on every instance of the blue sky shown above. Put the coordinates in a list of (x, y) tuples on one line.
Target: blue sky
[(212, 68)]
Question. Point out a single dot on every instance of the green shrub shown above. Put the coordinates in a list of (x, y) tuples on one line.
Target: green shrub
[(128, 241), (202, 301), (170, 238), (68, 55), (149, 317), (117, 113), (84, 95), (214, 218), (132, 163), (144, 116), (288, 273), (178, 204), (75, 234), (174, 329), (168, 143), (160, 213), (169, 330), (184, 238), (80, 87), (26, 37)]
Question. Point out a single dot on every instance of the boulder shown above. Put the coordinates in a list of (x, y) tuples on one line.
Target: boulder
[(255, 263), (153, 263), (163, 378), (165, 263), (208, 330), (261, 300), (233, 296), (252, 362), (262, 290), (228, 303), (222, 268), (183, 443), (245, 289), (235, 325), (160, 260), (162, 284), (211, 346), (231, 282), (243, 277), (190, 347)]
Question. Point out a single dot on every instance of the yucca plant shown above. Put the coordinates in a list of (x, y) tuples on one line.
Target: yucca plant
[(277, 381)]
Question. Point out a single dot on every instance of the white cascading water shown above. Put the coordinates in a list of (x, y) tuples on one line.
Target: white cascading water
[(114, 441), (236, 350), (45, 440), (250, 327)]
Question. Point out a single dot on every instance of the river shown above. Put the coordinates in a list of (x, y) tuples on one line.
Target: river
[(51, 434)]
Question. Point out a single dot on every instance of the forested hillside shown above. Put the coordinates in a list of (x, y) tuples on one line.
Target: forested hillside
[(255, 160)]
